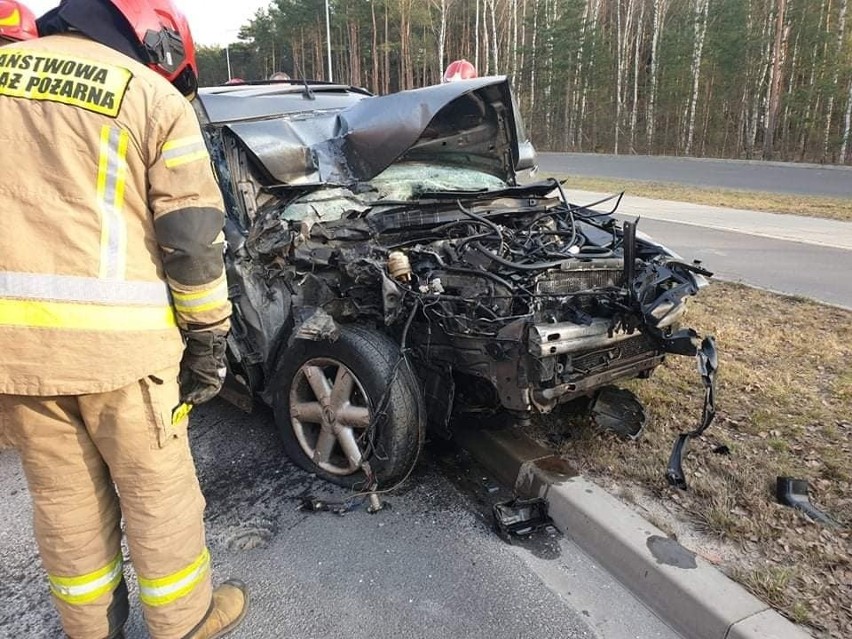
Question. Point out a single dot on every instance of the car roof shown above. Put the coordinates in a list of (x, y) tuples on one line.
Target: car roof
[(235, 102)]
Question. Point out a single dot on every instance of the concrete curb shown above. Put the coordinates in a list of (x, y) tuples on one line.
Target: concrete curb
[(690, 594)]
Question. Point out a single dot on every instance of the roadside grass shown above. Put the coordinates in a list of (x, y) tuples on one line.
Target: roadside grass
[(784, 399), (811, 206)]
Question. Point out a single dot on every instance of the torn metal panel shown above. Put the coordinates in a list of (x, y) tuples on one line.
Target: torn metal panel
[(464, 123)]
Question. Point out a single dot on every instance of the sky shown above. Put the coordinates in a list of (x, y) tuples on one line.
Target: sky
[(210, 23)]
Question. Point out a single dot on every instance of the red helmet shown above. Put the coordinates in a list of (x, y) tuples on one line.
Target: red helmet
[(459, 70), (164, 36), (16, 21)]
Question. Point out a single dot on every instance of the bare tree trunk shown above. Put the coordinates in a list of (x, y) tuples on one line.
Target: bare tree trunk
[(318, 52), (386, 88), (786, 120), (486, 41), (634, 110), (624, 26), (755, 115), (841, 32), (406, 79), (476, 38), (812, 102), (699, 31), (775, 79), (619, 57), (550, 13), (523, 34), (354, 53), (596, 8), (576, 117), (847, 130), (514, 43), (494, 41), (707, 102), (442, 35), (533, 56), (375, 53), (660, 9)]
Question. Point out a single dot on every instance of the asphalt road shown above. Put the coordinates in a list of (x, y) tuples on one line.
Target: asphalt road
[(427, 566), (775, 177)]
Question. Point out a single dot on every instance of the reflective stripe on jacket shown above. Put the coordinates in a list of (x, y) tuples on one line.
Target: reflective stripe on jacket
[(112, 220)]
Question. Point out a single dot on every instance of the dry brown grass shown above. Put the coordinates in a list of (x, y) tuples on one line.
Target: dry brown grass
[(811, 206), (785, 408)]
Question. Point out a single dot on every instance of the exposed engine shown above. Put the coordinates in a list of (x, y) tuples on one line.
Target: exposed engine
[(564, 296)]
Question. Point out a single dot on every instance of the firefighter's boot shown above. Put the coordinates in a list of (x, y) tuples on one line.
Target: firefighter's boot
[(230, 603)]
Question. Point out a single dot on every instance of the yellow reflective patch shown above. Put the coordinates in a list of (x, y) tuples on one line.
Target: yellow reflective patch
[(165, 590), (201, 308), (184, 150), (219, 289), (86, 588), (37, 75), (204, 300), (186, 159), (12, 20), (112, 178), (92, 317), (177, 143)]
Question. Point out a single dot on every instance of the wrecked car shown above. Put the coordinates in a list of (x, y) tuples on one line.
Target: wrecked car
[(389, 271)]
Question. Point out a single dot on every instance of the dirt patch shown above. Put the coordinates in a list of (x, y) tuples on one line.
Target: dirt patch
[(785, 408), (807, 205)]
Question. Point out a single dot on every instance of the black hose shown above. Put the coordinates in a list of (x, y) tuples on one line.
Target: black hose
[(540, 266), (485, 274), (570, 215), (485, 221)]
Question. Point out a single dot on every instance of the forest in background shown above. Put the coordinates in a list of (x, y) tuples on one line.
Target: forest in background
[(762, 79)]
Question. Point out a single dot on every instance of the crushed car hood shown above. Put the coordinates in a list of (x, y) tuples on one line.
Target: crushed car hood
[(472, 123)]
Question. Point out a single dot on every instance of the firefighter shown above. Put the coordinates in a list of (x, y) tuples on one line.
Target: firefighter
[(459, 70), (16, 22), (113, 311)]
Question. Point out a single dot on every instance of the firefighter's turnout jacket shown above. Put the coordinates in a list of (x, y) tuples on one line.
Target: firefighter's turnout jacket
[(110, 243), (111, 220)]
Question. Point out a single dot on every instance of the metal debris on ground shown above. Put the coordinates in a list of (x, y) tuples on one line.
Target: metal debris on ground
[(708, 364), (618, 410), (313, 505), (520, 517), (794, 493), (375, 504)]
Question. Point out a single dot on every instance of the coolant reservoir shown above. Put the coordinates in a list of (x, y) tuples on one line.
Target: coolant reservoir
[(399, 266)]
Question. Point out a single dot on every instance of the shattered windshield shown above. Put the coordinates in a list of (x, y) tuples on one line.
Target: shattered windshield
[(411, 180), (399, 182)]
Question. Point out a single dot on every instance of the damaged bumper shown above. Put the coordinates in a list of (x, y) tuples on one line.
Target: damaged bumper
[(708, 364)]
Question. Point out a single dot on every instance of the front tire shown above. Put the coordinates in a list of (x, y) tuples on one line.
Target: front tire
[(342, 402)]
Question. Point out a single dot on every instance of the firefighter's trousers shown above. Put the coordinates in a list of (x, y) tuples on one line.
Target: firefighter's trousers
[(80, 453)]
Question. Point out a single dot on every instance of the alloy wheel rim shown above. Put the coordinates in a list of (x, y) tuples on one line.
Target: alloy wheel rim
[(330, 415)]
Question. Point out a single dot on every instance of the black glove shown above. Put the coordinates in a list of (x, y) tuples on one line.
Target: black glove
[(202, 369)]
